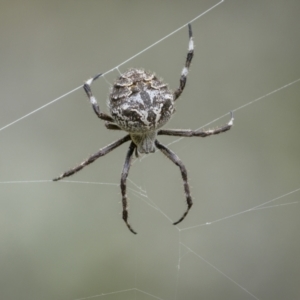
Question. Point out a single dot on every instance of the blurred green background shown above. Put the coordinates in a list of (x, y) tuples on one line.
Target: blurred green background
[(67, 240)]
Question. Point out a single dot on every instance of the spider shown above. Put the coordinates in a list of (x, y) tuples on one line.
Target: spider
[(140, 103)]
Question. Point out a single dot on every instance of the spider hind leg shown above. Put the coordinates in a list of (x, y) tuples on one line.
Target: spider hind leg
[(124, 176), (176, 160)]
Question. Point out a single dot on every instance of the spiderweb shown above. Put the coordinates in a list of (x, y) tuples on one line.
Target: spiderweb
[(66, 240)]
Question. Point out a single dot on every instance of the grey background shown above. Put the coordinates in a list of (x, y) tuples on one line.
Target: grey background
[(67, 240)]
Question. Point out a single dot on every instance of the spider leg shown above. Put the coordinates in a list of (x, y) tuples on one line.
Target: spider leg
[(201, 133), (176, 160), (185, 70), (112, 126), (124, 175), (93, 157), (93, 100)]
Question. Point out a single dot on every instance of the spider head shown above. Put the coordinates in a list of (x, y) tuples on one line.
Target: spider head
[(140, 104)]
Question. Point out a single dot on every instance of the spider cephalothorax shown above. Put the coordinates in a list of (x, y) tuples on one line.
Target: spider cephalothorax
[(141, 104)]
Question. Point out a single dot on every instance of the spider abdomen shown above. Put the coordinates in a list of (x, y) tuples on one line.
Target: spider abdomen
[(140, 103)]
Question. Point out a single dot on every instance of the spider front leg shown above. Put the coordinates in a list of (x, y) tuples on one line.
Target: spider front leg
[(93, 157), (199, 133), (185, 69), (93, 100), (124, 175), (176, 160), (112, 126)]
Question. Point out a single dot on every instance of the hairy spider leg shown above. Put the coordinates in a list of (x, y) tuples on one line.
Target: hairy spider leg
[(124, 175), (185, 69), (94, 103), (176, 160), (95, 156), (197, 133)]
